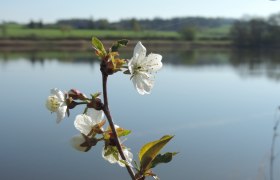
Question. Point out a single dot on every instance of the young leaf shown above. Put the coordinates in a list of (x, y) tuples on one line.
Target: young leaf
[(150, 150), (165, 158), (97, 44), (123, 132), (95, 95), (118, 44)]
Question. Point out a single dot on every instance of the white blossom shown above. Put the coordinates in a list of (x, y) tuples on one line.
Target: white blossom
[(115, 157), (142, 68), (85, 122), (77, 141), (56, 103)]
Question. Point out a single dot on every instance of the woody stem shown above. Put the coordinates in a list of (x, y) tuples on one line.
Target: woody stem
[(106, 111)]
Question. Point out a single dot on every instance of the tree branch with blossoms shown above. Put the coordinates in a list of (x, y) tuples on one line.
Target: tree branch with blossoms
[(141, 69)]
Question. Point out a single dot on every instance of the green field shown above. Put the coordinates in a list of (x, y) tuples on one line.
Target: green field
[(214, 33), (20, 32)]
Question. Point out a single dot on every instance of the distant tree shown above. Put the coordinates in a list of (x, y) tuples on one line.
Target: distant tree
[(91, 23), (240, 33), (31, 24), (255, 33), (259, 32), (274, 19), (174, 24), (188, 33), (135, 26), (103, 24), (4, 29), (40, 24)]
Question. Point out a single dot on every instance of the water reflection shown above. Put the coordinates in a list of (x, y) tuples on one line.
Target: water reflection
[(254, 63), (219, 104)]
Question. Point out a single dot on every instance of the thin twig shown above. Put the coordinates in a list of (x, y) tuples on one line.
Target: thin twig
[(107, 113)]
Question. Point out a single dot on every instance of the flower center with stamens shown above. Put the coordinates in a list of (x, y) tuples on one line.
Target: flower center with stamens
[(138, 68), (53, 103)]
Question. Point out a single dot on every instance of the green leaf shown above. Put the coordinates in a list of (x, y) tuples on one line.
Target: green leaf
[(150, 150), (165, 158), (118, 44), (108, 151), (97, 44), (95, 95), (111, 150), (136, 166), (122, 132)]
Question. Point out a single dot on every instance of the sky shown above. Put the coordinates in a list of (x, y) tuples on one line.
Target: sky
[(51, 10)]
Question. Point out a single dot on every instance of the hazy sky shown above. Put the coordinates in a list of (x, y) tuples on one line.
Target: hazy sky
[(113, 10)]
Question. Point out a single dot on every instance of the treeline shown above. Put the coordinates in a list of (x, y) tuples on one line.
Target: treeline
[(257, 32), (174, 24)]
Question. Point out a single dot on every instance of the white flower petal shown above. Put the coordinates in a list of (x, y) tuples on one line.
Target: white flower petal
[(109, 158), (128, 155), (131, 66), (139, 53), (153, 62), (148, 84), (60, 113), (143, 83), (142, 69), (96, 116), (76, 141), (137, 84), (59, 94), (84, 123)]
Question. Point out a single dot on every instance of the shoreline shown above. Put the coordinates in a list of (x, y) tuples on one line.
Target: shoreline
[(81, 45)]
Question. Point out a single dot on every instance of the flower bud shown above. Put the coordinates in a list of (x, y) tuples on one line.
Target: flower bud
[(95, 103), (76, 94)]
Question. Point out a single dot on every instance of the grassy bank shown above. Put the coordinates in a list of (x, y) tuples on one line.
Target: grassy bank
[(19, 38), (79, 45), (20, 32)]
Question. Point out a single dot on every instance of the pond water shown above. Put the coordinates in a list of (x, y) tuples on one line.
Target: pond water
[(221, 105)]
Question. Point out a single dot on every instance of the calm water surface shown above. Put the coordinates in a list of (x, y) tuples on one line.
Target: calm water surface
[(220, 105)]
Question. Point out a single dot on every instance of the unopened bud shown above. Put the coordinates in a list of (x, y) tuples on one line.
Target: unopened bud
[(95, 103), (76, 94)]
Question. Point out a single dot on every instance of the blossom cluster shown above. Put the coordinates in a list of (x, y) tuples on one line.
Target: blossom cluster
[(142, 69)]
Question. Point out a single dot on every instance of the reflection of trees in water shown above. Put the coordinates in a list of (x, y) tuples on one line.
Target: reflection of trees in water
[(42, 56), (256, 63), (204, 57), (246, 63)]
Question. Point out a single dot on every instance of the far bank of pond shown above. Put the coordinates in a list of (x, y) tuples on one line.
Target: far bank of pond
[(25, 45)]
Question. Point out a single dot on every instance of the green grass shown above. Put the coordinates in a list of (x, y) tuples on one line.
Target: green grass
[(25, 33), (214, 33), (20, 32)]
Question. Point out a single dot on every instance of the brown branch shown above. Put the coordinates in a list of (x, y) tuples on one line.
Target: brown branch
[(106, 111)]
